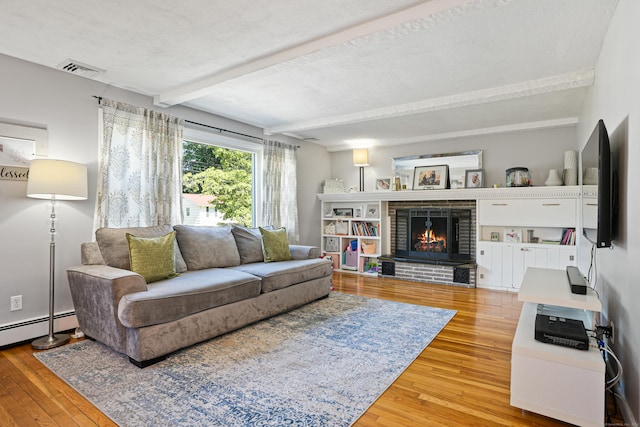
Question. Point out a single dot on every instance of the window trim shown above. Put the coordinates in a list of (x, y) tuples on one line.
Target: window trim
[(213, 138)]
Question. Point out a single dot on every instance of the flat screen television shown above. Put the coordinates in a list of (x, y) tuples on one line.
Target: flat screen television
[(598, 194)]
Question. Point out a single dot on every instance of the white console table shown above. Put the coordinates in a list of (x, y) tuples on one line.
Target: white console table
[(559, 382)]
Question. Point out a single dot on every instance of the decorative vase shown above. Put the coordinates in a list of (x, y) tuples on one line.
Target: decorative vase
[(590, 176), (571, 160), (554, 178), (570, 176)]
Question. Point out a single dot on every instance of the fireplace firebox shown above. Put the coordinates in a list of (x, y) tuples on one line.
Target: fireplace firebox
[(435, 234)]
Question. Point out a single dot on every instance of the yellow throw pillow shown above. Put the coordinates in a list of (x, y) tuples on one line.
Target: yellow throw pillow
[(152, 257), (275, 245)]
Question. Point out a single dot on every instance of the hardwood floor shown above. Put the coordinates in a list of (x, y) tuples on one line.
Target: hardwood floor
[(460, 379)]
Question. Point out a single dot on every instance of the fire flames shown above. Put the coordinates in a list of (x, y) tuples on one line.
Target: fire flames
[(430, 242)]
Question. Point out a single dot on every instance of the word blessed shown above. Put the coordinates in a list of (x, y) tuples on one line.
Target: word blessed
[(14, 173)]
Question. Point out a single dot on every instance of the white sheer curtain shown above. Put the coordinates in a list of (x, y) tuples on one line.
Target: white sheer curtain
[(140, 161), (280, 201)]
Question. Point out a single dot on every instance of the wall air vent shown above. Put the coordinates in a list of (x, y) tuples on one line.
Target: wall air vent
[(79, 69)]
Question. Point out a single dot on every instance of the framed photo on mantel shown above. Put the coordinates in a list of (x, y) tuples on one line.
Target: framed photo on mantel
[(431, 177)]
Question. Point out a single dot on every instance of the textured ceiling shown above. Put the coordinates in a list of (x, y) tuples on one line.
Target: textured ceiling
[(334, 70)]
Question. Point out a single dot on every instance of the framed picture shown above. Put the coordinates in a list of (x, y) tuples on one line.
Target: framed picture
[(495, 236), (357, 212), (512, 235), (372, 211), (474, 178), (18, 146), (430, 177), (383, 184), (344, 212)]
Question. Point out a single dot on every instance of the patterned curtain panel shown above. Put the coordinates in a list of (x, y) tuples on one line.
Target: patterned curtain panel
[(280, 201), (140, 167)]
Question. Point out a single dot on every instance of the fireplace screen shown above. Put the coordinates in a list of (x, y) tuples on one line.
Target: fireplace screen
[(434, 233)]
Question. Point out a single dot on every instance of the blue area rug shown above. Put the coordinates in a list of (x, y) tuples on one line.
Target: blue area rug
[(321, 365)]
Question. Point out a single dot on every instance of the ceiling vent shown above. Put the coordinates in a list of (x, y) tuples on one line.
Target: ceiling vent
[(79, 69)]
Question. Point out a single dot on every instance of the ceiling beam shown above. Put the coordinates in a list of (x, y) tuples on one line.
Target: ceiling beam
[(207, 85), (572, 80), (518, 127)]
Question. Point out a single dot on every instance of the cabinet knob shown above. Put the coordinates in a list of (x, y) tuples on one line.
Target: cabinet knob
[(524, 249)]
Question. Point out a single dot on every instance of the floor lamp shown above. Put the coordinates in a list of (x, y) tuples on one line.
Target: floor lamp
[(55, 180), (361, 158)]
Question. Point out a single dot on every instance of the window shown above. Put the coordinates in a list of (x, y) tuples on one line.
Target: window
[(220, 175)]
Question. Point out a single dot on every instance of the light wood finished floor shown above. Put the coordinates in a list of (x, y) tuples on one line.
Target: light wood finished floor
[(460, 379)]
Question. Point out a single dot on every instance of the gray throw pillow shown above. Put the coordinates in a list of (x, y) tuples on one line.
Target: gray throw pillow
[(115, 248), (207, 247), (249, 243)]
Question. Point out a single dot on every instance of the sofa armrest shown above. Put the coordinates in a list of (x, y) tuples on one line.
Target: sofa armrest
[(96, 291), (304, 252)]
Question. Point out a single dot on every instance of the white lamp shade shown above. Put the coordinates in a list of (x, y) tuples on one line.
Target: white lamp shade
[(57, 179), (361, 157)]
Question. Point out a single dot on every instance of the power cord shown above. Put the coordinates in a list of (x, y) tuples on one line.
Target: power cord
[(613, 381)]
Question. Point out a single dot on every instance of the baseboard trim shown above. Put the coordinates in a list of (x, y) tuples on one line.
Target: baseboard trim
[(17, 332)]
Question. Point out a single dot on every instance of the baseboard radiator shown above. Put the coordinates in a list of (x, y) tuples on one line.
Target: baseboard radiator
[(12, 333)]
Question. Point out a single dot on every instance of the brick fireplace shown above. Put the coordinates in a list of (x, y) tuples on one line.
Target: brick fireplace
[(445, 254)]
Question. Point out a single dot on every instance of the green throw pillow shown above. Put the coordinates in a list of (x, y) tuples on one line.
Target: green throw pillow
[(275, 245), (152, 257)]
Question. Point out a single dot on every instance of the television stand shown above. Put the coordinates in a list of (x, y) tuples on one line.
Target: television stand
[(559, 382)]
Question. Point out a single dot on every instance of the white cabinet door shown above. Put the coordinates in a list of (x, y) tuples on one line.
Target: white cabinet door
[(525, 256), (560, 257), (489, 265), (495, 265), (556, 257), (507, 252), (529, 212)]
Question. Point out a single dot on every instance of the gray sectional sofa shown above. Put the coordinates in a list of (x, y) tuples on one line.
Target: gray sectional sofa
[(222, 284)]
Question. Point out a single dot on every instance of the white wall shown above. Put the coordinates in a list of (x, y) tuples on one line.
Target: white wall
[(615, 98), (537, 150), (313, 168)]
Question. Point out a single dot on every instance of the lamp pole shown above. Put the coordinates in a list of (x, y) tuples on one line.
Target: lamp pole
[(52, 340)]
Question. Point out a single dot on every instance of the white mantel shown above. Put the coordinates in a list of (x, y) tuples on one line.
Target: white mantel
[(555, 192)]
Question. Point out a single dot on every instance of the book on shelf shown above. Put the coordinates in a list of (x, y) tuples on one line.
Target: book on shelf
[(569, 237), (550, 242), (361, 228)]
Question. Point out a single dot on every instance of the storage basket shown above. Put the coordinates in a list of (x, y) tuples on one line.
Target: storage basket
[(330, 228), (368, 248), (332, 244), (342, 227)]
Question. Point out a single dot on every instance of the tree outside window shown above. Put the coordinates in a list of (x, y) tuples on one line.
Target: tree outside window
[(225, 174)]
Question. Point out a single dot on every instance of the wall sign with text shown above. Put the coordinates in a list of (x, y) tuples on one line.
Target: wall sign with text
[(18, 146)]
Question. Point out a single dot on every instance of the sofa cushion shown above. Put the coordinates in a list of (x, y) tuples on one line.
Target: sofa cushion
[(188, 293), (152, 257), (279, 275), (249, 243), (115, 248), (207, 247), (275, 245)]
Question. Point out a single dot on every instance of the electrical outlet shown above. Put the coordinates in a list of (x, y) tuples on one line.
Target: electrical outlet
[(16, 302), (612, 338)]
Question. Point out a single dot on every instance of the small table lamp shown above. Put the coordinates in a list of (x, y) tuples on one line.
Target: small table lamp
[(361, 158), (55, 180)]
